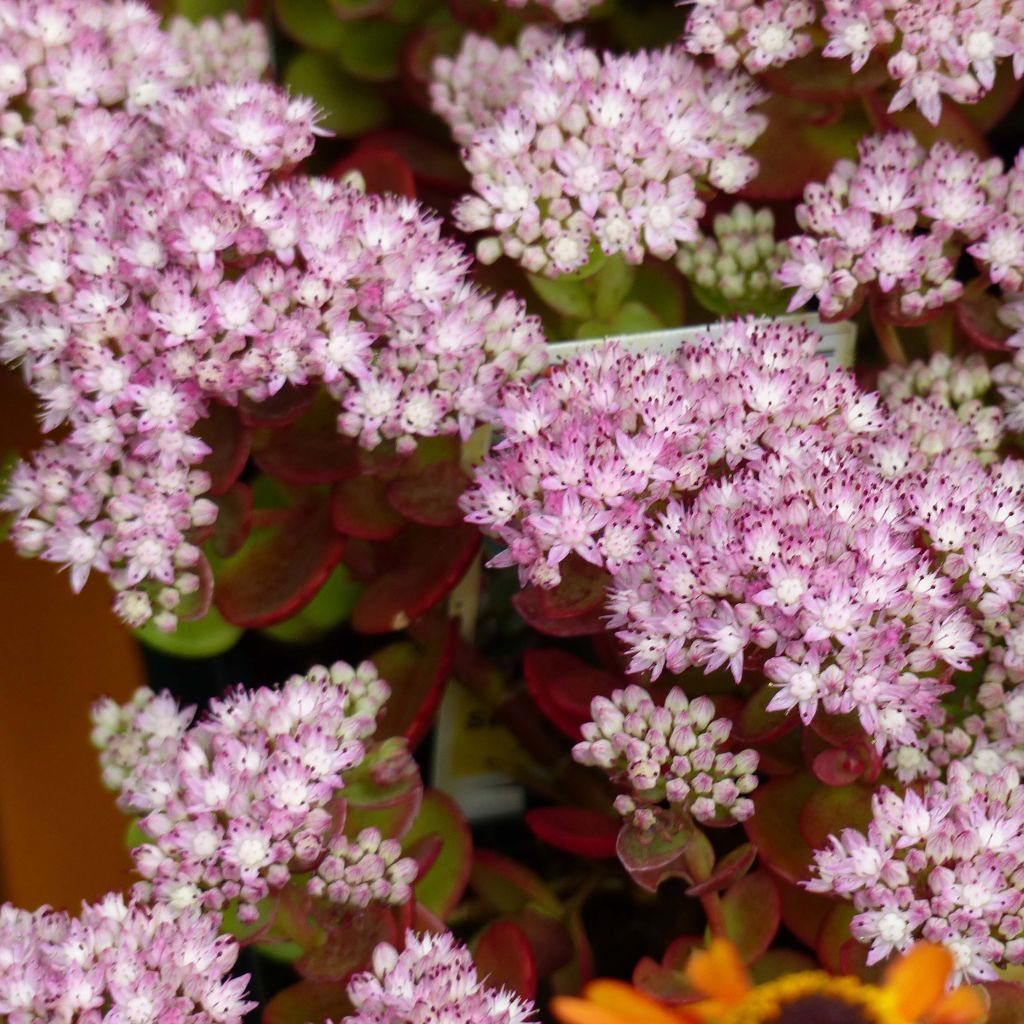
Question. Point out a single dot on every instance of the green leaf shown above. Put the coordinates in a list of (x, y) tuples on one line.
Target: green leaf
[(201, 638), (830, 809), (569, 297), (635, 318), (752, 913), (311, 23), (775, 826), (441, 888), (508, 886), (370, 49), (610, 286), (197, 10), (351, 107), (660, 288), (331, 607)]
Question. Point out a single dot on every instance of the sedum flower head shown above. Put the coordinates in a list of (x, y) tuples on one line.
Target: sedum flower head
[(227, 49), (896, 221), (237, 801), (601, 154), (734, 270), (203, 276), (564, 10), (669, 752), (944, 865), (118, 962), (432, 978), (589, 450), (755, 35)]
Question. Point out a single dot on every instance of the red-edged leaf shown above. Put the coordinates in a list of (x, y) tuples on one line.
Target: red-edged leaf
[(652, 857), (441, 887), (228, 439), (853, 959), (978, 318), (310, 450), (529, 602), (360, 508), (732, 866), (425, 852), (430, 496), (837, 767), (421, 566), (832, 936), (774, 827), (563, 686), (504, 959), (508, 886), (953, 126), (752, 913), (839, 730), (288, 556), (803, 912), (575, 829), (583, 589), (830, 809), (234, 520), (390, 806), (348, 945), (1007, 1002), (550, 941), (417, 677), (580, 969), (383, 170), (307, 1001), (278, 410)]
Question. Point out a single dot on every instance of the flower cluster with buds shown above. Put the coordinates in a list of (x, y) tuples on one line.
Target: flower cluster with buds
[(369, 868), (734, 271), (197, 276), (958, 385), (944, 865), (604, 437), (602, 154), (941, 48), (668, 753), (897, 220), (236, 802), (432, 978), (227, 50), (565, 10), (118, 962)]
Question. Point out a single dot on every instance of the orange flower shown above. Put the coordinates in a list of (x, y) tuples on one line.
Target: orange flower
[(914, 992)]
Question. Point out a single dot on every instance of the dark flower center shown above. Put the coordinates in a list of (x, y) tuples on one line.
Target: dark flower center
[(823, 1009)]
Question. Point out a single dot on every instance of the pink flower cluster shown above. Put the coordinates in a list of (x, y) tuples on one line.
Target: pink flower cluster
[(932, 49), (598, 154), (944, 866), (228, 50), (897, 221), (195, 275), (670, 753), (238, 801), (565, 10), (432, 979), (117, 962), (595, 444), (1000, 250)]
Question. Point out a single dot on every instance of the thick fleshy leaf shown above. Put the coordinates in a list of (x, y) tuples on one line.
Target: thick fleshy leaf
[(391, 807), (504, 959), (803, 912), (779, 962), (549, 939), (430, 495), (756, 724), (370, 49), (234, 520), (419, 568), (311, 23), (1007, 1002), (287, 558), (432, 165), (734, 865), (280, 409), (833, 935), (202, 638), (576, 830), (351, 107), (574, 608), (331, 607), (978, 318), (442, 886), (383, 171), (662, 983), (229, 440), (360, 508), (352, 9), (580, 969), (564, 686), (953, 126), (826, 79), (997, 102), (752, 913), (307, 1001), (531, 605), (572, 298), (196, 605), (417, 674), (837, 767), (661, 289), (508, 886), (652, 857), (830, 809), (774, 827), (310, 450), (348, 945)]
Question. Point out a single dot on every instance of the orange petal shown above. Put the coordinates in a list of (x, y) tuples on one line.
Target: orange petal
[(570, 1010), (719, 972), (614, 1002), (963, 1006), (918, 980)]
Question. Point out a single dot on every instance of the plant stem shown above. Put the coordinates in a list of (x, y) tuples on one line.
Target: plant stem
[(888, 336)]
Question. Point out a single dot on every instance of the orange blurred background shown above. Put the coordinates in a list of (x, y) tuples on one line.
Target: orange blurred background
[(60, 833)]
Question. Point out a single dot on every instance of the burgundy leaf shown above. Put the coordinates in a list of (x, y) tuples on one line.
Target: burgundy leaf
[(576, 830), (503, 957), (564, 686), (360, 508), (229, 440), (429, 495)]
